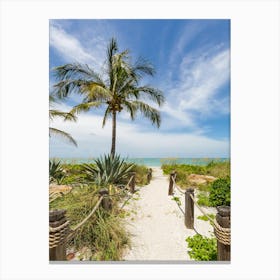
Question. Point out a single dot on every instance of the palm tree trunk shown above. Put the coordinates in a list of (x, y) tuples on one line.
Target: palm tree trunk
[(113, 149)]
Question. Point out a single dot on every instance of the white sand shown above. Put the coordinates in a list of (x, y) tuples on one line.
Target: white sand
[(157, 225)]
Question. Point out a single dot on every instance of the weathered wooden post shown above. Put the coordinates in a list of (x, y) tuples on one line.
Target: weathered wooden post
[(58, 232), (189, 208), (149, 176), (106, 202), (171, 177), (223, 237), (132, 182)]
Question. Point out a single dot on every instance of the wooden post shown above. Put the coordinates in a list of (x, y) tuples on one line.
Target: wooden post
[(189, 208), (106, 202), (170, 189), (149, 176), (223, 219), (132, 182), (56, 219)]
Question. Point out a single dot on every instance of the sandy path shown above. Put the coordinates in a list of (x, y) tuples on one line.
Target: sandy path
[(157, 225)]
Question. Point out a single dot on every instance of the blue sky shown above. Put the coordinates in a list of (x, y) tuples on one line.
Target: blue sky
[(192, 62)]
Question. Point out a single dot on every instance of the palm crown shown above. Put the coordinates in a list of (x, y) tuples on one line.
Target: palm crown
[(119, 90)]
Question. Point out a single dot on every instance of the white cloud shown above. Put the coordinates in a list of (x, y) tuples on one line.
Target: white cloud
[(94, 140), (72, 50), (197, 91), (68, 46)]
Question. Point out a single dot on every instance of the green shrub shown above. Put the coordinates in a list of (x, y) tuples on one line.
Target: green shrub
[(220, 192), (202, 248), (109, 170), (203, 199)]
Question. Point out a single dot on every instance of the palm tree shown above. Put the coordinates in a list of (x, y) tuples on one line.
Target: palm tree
[(67, 116), (119, 89)]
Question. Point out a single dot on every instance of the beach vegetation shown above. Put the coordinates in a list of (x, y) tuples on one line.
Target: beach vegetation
[(215, 169), (103, 234), (177, 200), (220, 192), (56, 172), (203, 199), (205, 218), (109, 170), (202, 248), (119, 89)]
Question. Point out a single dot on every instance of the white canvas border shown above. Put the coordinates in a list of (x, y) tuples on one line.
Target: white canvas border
[(254, 137)]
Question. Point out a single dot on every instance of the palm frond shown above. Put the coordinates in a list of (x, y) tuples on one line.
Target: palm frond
[(67, 116), (143, 66), (106, 115), (63, 134), (96, 92), (73, 77), (148, 111), (130, 108), (85, 107), (153, 94)]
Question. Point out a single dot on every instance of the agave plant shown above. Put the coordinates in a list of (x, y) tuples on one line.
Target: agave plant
[(109, 170), (56, 172)]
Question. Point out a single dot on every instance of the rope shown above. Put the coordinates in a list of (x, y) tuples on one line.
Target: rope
[(57, 195), (178, 188), (57, 236), (223, 234), (179, 205), (63, 233), (201, 210), (89, 215), (128, 199), (127, 185)]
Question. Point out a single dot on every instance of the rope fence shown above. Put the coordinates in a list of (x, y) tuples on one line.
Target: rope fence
[(221, 223), (59, 230)]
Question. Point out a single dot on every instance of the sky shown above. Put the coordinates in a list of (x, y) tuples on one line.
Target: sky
[(192, 63)]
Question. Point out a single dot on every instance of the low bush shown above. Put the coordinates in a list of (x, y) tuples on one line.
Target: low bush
[(202, 248), (220, 192), (203, 199)]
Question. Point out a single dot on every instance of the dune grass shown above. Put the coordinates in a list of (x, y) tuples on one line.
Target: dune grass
[(216, 169), (104, 233)]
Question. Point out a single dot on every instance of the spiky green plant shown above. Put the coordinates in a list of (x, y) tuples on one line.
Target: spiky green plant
[(109, 170), (119, 89), (56, 172)]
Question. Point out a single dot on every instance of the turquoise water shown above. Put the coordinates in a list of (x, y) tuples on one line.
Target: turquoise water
[(152, 161)]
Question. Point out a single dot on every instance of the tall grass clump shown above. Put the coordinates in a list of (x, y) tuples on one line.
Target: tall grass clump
[(103, 233)]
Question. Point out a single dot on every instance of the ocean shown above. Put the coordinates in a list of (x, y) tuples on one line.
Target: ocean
[(151, 161)]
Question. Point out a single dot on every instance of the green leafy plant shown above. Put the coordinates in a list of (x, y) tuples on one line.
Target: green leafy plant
[(177, 200), (109, 170), (220, 192), (204, 218), (202, 248), (203, 199), (56, 172)]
